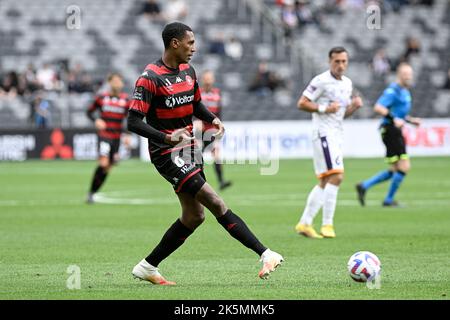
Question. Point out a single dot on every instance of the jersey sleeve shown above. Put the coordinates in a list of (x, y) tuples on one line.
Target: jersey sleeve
[(387, 98), (143, 93), (96, 104), (197, 91), (314, 90)]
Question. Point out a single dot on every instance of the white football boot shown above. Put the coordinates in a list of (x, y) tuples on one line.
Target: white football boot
[(271, 260), (145, 271)]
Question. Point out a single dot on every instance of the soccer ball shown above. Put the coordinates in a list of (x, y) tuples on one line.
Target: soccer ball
[(364, 266)]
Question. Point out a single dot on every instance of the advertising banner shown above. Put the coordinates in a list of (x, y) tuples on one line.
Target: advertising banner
[(292, 139), (20, 145)]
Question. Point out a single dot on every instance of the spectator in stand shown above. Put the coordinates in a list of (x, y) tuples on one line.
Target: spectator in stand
[(41, 111), (304, 14), (380, 64), (395, 5), (47, 77), (289, 19), (152, 10), (78, 80), (217, 45), (13, 84), (176, 10), (265, 82), (233, 49), (30, 79), (412, 48), (447, 81)]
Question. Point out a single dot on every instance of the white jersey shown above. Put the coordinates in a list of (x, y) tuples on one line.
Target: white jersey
[(324, 89)]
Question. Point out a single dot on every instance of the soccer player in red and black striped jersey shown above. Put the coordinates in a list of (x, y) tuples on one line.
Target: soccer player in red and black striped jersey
[(113, 108), (212, 99), (167, 95)]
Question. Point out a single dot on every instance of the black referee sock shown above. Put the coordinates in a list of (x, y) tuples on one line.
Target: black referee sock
[(239, 230), (218, 168), (171, 241), (99, 177)]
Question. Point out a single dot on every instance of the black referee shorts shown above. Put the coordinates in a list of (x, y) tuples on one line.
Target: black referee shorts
[(182, 168), (395, 143)]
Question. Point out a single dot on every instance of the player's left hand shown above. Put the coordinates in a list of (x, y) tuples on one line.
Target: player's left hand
[(220, 128), (415, 121)]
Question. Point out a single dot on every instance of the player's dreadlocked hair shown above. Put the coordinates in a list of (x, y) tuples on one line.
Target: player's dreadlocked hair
[(175, 30)]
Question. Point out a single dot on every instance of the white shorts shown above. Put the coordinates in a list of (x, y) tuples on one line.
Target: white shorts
[(328, 157)]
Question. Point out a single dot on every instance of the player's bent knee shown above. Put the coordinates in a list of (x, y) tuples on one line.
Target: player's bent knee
[(199, 217), (404, 165), (336, 179), (212, 201)]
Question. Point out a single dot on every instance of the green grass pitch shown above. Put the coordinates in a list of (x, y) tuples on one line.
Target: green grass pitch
[(45, 227)]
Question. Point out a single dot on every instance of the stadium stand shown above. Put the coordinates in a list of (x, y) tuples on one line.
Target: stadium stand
[(114, 36)]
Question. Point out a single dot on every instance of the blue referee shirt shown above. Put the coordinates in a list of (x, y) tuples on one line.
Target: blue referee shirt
[(397, 99)]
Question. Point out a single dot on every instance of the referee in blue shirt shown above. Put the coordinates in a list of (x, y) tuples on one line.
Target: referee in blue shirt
[(394, 105)]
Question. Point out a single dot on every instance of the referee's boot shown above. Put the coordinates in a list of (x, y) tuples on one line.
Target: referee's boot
[(361, 194)]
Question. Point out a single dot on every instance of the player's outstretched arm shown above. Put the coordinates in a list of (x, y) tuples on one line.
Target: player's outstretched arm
[(414, 120)]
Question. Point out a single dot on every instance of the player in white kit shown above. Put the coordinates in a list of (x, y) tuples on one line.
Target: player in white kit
[(329, 97)]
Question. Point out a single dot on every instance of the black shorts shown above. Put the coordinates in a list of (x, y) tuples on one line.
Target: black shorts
[(395, 143), (183, 169), (108, 148)]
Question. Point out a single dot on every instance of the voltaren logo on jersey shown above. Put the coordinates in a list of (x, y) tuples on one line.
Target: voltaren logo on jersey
[(138, 93), (173, 101), (114, 109)]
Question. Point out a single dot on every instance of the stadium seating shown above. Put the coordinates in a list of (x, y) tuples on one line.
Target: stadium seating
[(113, 36)]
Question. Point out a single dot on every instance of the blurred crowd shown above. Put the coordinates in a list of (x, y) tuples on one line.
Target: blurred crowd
[(296, 14), (56, 77), (36, 83)]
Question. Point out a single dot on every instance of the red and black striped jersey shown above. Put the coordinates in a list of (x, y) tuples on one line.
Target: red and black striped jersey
[(212, 99), (113, 109), (166, 97)]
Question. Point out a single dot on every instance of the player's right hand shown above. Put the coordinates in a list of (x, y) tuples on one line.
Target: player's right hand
[(180, 136), (220, 128), (333, 107), (100, 124)]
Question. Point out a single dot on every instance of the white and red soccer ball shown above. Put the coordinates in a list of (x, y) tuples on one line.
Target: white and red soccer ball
[(364, 266)]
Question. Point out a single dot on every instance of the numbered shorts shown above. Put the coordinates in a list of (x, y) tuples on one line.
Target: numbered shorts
[(327, 154), (182, 169), (395, 143), (108, 148)]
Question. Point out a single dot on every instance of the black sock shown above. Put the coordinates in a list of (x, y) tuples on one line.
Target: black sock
[(98, 179), (171, 241), (239, 230), (218, 168)]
